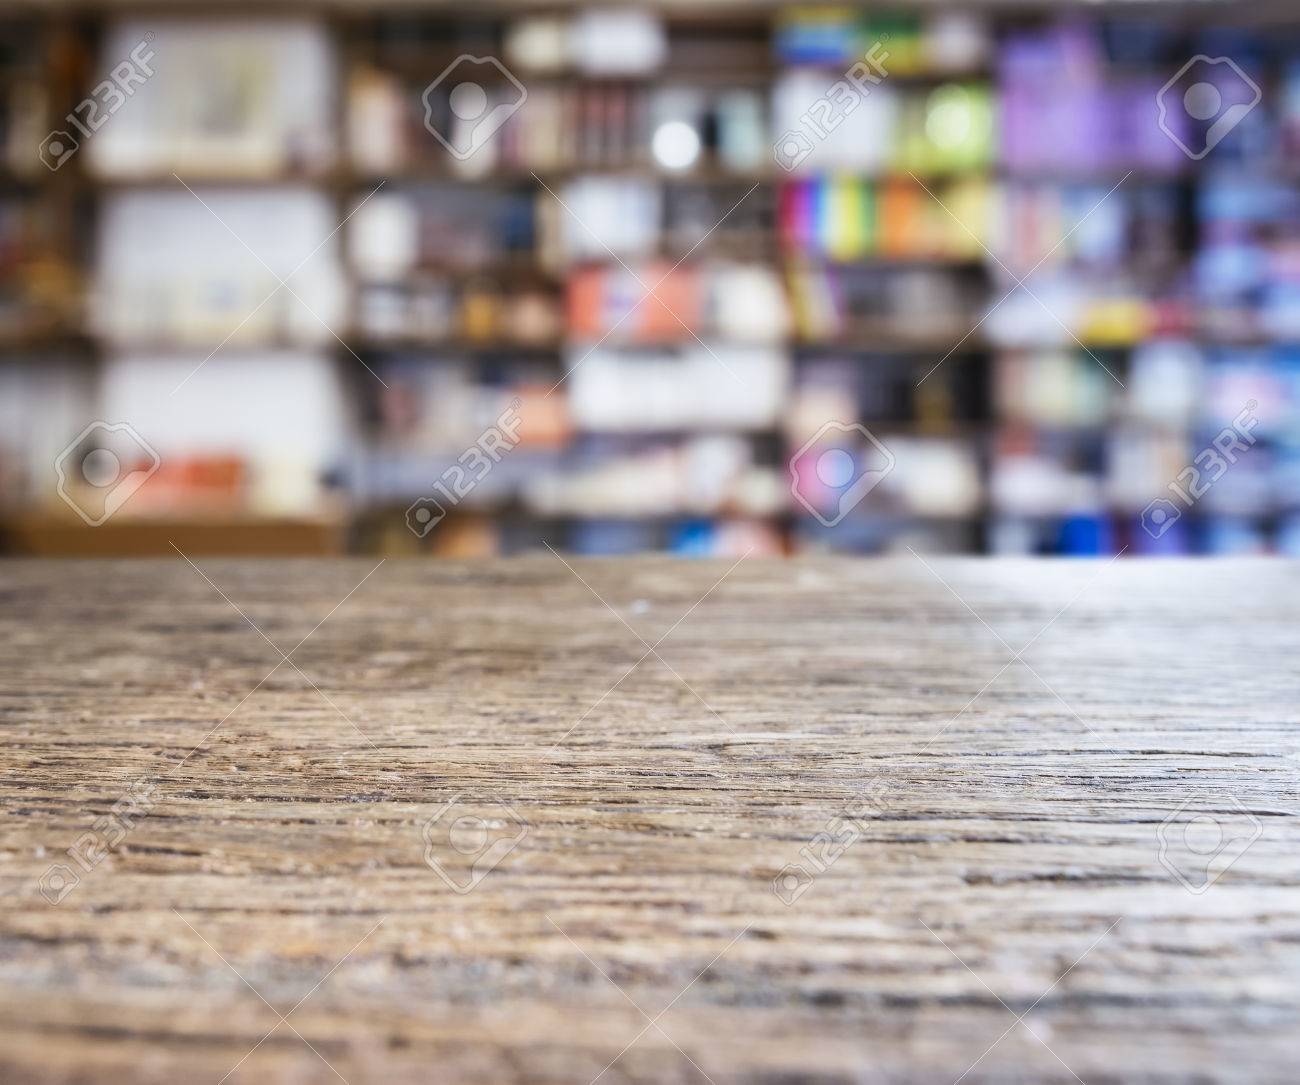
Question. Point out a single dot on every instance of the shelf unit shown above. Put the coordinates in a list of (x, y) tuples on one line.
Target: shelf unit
[(714, 47)]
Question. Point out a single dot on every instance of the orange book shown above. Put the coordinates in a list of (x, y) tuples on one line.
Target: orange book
[(674, 302), (583, 298), (901, 218)]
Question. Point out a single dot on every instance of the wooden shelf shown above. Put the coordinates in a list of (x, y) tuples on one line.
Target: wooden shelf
[(56, 534), (43, 340), (705, 174), (181, 178), (362, 343), (865, 342)]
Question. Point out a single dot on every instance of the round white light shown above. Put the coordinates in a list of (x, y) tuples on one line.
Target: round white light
[(676, 145), (949, 117)]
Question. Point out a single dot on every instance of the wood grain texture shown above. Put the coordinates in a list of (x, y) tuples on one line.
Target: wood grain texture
[(1010, 808)]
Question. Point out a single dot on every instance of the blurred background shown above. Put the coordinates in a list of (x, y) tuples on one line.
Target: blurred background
[(701, 277)]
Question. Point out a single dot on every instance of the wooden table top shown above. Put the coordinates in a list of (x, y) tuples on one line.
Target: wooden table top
[(633, 821)]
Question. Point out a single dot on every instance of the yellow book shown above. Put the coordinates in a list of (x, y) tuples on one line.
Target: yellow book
[(844, 223)]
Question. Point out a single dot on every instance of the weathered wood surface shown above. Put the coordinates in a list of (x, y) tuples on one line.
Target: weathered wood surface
[(1021, 827)]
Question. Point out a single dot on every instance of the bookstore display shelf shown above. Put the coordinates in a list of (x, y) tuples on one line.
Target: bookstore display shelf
[(949, 343)]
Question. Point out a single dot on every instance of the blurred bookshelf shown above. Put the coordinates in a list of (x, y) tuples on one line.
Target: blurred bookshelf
[(673, 310)]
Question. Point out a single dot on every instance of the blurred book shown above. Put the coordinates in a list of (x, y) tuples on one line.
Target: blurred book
[(175, 269), (226, 99)]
